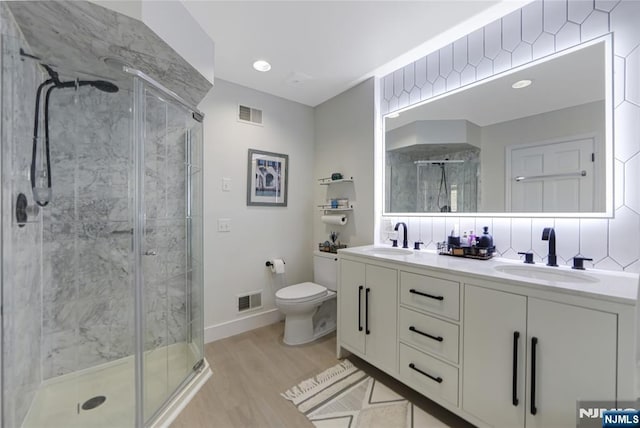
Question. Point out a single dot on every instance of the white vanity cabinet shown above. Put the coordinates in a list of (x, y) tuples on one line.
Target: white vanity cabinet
[(497, 351), (536, 356), (367, 302)]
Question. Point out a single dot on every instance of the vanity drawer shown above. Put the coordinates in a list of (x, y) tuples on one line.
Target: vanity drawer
[(428, 293), (429, 334), (427, 375)]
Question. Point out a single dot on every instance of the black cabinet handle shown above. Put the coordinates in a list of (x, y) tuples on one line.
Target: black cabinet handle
[(360, 308), (437, 379), (534, 343), (514, 392), (415, 330), (426, 295), (366, 311)]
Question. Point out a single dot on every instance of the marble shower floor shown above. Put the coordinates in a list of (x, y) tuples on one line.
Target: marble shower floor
[(58, 402)]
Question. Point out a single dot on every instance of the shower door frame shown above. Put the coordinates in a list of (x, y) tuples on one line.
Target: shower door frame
[(140, 81)]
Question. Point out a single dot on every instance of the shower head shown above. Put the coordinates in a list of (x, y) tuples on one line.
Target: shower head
[(41, 190), (103, 86)]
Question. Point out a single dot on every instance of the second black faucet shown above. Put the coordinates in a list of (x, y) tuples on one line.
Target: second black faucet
[(405, 242), (548, 234)]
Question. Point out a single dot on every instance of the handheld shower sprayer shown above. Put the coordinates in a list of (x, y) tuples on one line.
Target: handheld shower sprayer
[(40, 172)]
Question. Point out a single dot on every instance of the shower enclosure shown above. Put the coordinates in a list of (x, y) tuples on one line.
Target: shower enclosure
[(447, 185), (102, 287)]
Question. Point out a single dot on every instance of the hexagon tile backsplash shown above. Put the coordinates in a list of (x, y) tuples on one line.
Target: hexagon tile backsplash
[(541, 28)]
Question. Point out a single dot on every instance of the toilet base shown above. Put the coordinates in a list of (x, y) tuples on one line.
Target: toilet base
[(302, 328), (299, 334)]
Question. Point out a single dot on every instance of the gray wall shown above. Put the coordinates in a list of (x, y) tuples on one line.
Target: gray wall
[(344, 138), (235, 260)]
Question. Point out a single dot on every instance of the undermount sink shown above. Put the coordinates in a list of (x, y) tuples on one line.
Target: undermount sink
[(389, 251), (547, 274)]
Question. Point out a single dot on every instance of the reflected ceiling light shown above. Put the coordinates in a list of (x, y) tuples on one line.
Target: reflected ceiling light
[(521, 84), (393, 115), (261, 65)]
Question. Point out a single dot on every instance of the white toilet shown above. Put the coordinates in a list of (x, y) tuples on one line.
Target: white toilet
[(310, 307)]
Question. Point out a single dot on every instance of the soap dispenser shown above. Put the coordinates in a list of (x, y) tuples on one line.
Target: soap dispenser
[(486, 240)]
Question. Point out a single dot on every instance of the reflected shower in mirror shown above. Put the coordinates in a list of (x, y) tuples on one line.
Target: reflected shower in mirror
[(535, 139)]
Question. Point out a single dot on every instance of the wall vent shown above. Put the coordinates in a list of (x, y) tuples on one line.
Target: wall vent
[(249, 115), (250, 301)]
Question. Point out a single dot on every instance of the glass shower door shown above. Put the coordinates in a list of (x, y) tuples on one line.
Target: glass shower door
[(171, 287)]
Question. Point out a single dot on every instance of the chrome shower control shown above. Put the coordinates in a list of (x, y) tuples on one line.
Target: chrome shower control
[(151, 253)]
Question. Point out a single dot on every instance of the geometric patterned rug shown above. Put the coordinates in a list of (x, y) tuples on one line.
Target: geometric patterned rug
[(346, 397)]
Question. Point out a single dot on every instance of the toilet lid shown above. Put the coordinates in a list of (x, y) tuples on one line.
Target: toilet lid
[(303, 291)]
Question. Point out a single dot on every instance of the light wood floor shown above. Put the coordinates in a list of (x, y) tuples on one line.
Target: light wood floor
[(252, 369)]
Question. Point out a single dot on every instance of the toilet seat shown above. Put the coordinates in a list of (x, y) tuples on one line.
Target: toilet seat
[(302, 292)]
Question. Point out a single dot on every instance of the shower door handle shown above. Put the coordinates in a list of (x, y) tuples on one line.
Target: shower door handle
[(151, 253)]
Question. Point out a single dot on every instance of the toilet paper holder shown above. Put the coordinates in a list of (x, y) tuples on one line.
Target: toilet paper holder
[(269, 264)]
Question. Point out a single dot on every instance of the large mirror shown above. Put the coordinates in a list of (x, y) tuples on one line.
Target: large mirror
[(535, 140)]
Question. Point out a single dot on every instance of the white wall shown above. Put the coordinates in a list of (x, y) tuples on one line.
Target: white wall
[(235, 261), (344, 142)]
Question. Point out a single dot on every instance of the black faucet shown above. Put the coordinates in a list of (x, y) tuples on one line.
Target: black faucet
[(548, 234), (405, 242)]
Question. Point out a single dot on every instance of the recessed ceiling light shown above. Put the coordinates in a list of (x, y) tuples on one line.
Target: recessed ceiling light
[(262, 65), (521, 84), (393, 115)]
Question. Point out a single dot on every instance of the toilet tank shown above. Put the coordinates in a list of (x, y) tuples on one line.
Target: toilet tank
[(325, 269)]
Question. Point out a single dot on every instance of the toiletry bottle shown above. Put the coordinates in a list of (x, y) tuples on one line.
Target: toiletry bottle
[(464, 241), (472, 238), (486, 240)]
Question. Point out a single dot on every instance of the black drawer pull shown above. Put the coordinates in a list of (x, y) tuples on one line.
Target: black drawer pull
[(415, 330), (514, 390), (360, 308), (534, 343), (366, 311), (437, 379), (426, 295)]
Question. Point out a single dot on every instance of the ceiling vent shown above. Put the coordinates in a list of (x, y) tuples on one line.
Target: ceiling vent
[(249, 115), (250, 301)]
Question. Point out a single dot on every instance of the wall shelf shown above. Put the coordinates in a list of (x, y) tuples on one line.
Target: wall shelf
[(328, 181), (327, 208)]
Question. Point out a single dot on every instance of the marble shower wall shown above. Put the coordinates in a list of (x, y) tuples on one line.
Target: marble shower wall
[(21, 246), (541, 28), (80, 34), (89, 301), (87, 264)]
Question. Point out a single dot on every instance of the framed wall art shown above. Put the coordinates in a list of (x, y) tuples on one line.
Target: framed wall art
[(267, 178)]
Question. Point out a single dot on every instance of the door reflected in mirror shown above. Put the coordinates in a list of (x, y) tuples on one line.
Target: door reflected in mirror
[(535, 139)]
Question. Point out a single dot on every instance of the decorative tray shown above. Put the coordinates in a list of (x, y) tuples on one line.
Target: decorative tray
[(445, 249)]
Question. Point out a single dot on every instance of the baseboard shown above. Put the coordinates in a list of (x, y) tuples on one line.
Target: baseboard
[(241, 325)]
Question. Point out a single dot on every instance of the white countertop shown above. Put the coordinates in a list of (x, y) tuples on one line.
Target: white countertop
[(621, 287)]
